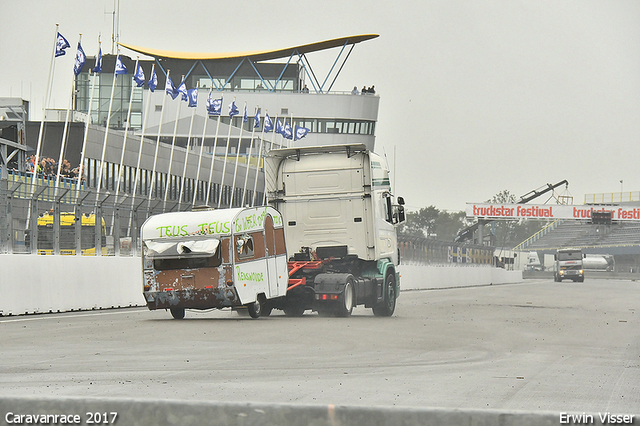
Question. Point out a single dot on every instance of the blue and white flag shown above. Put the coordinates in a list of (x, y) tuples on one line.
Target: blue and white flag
[(279, 128), (153, 81), (182, 89), (301, 132), (120, 68), (256, 120), (61, 44), (214, 106), (268, 124), (244, 117), (81, 58), (233, 109), (170, 88), (98, 65), (138, 77), (287, 132), (192, 94)]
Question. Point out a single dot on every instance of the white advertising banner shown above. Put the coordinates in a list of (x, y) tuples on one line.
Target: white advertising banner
[(547, 211)]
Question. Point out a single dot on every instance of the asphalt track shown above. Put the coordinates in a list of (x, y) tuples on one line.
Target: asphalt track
[(540, 345)]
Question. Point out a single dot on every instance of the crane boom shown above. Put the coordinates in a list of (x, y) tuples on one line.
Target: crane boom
[(467, 232)]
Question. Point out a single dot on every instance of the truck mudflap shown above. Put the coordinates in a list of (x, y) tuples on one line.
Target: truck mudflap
[(331, 283), (206, 298)]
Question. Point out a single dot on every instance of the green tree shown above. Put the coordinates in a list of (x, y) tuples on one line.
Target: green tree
[(433, 223), (509, 233)]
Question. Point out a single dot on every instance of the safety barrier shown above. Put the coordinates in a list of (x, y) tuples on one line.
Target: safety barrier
[(422, 277), (133, 412), (40, 284)]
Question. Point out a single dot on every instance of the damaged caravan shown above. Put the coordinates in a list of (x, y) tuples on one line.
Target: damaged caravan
[(231, 258)]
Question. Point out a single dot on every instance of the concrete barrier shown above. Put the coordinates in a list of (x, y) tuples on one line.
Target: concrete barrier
[(423, 277), (177, 413), (40, 284)]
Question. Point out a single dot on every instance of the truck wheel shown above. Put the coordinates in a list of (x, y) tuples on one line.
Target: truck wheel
[(388, 304), (177, 313), (346, 300)]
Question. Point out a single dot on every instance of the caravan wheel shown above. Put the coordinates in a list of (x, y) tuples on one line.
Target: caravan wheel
[(254, 309), (177, 313)]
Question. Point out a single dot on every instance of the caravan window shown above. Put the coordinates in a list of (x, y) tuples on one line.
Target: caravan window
[(244, 246), (188, 262)]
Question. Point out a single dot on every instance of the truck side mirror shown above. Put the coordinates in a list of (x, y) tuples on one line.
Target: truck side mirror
[(401, 201), (401, 217)]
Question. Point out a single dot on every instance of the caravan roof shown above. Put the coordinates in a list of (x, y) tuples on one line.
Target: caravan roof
[(206, 223)]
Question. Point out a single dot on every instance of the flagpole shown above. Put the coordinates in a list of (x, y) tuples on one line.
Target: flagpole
[(213, 159), (226, 155), (195, 188), (126, 133), (235, 171), (124, 143), (144, 127), (66, 128), (155, 156), (204, 134), (106, 131), (86, 128), (246, 174), (275, 131), (255, 184), (293, 131), (173, 144), (44, 110), (186, 155), (273, 141)]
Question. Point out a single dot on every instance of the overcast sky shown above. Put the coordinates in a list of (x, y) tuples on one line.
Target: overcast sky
[(476, 96)]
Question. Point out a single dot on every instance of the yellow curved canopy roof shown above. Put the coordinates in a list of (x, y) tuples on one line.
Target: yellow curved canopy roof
[(263, 55)]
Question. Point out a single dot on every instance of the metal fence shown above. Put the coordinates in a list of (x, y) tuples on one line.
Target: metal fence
[(425, 251), (39, 217)]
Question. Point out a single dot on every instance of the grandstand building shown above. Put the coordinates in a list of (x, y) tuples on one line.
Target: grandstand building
[(251, 79), (620, 239), (162, 155)]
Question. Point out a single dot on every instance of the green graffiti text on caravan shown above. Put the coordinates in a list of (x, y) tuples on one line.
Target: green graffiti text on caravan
[(201, 229), (255, 221), (249, 276), (214, 228)]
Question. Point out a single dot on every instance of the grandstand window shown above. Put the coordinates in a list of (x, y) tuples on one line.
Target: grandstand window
[(205, 82)]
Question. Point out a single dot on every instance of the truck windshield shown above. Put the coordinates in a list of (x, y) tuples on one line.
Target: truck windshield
[(570, 255)]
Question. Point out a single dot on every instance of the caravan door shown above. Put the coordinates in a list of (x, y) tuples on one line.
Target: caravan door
[(272, 265)]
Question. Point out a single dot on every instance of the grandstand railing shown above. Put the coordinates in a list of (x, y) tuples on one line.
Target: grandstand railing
[(535, 237), (38, 217), (612, 197)]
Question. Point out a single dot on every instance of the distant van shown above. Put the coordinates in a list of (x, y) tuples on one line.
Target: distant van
[(214, 259)]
